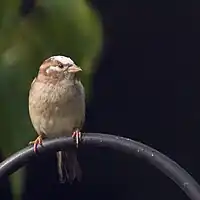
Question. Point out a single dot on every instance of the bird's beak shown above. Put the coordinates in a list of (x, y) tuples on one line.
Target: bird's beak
[(74, 69)]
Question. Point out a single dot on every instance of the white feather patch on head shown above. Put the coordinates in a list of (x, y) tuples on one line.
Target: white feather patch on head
[(53, 68), (63, 59)]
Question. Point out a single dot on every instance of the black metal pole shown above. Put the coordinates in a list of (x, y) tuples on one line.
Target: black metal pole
[(160, 161)]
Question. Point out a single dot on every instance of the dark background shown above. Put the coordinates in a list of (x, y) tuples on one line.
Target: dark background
[(146, 88)]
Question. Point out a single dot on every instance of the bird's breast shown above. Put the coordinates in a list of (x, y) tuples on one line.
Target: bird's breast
[(56, 111)]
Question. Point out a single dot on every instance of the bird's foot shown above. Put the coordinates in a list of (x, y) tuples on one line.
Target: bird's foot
[(77, 136), (37, 141)]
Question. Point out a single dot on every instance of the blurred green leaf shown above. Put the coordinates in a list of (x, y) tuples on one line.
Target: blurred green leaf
[(70, 28)]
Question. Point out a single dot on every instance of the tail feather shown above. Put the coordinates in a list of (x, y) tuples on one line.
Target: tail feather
[(68, 166)]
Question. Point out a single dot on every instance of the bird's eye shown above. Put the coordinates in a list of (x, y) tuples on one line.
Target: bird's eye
[(61, 66)]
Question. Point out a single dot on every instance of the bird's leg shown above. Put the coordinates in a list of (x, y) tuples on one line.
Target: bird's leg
[(37, 141), (77, 136)]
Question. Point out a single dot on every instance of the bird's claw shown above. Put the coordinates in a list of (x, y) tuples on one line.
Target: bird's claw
[(37, 141), (77, 136)]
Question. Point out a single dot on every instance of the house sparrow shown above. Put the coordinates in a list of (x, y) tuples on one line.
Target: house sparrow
[(57, 108)]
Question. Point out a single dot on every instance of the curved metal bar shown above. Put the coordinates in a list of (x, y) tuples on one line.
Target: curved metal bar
[(160, 161)]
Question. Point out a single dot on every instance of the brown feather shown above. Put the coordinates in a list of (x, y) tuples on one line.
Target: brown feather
[(57, 107)]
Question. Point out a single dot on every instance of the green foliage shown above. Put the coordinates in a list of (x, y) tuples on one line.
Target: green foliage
[(67, 27)]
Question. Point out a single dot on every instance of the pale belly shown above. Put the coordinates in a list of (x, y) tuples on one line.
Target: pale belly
[(56, 116), (57, 126)]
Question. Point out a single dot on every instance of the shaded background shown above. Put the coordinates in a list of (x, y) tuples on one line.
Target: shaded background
[(142, 82)]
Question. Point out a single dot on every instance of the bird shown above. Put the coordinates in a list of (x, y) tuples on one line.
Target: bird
[(57, 108)]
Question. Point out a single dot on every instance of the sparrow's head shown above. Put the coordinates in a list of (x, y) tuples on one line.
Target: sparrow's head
[(59, 68)]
